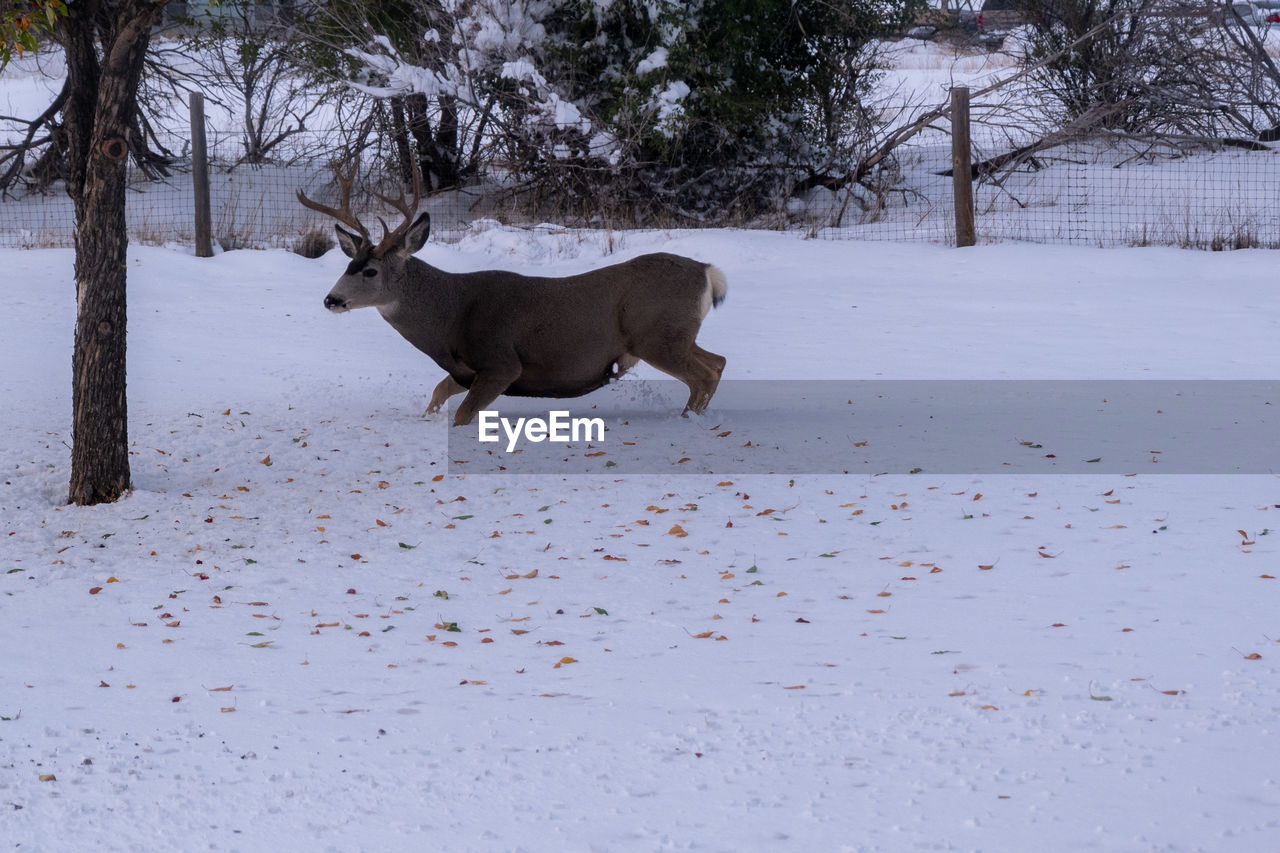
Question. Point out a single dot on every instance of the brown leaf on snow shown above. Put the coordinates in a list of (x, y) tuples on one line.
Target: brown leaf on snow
[(677, 531)]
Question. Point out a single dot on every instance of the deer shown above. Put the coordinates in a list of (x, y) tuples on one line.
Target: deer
[(498, 332)]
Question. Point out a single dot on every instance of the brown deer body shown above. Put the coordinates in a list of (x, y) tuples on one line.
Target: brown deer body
[(498, 332)]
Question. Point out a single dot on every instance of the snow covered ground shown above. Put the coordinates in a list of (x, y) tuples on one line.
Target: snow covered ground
[(304, 630)]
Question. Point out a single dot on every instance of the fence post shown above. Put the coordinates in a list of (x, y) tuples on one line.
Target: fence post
[(961, 167), (200, 178)]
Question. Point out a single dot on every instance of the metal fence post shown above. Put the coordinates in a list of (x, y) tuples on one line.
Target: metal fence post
[(200, 178), (961, 167)]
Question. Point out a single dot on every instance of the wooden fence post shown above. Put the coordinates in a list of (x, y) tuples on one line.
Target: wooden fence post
[(961, 167), (200, 178)]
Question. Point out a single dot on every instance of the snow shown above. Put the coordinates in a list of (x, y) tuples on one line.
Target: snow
[(655, 60), (669, 101), (254, 650)]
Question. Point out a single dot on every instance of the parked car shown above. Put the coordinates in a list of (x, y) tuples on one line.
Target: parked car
[(991, 21), (1264, 14)]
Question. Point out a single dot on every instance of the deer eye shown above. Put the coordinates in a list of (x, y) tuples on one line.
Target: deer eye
[(370, 272)]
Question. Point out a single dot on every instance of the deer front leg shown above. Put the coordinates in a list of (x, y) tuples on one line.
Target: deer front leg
[(446, 389), (485, 388)]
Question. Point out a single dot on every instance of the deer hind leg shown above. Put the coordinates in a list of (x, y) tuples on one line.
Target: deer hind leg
[(697, 368), (715, 364), (446, 389)]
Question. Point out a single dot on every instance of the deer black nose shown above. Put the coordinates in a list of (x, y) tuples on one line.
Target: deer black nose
[(334, 303)]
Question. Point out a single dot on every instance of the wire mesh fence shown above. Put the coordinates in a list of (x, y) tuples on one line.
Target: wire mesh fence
[(252, 205), (1096, 193)]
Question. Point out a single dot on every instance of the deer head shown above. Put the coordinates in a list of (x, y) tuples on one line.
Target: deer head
[(369, 278)]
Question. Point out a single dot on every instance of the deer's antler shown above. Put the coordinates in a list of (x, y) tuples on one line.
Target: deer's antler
[(342, 212), (409, 209)]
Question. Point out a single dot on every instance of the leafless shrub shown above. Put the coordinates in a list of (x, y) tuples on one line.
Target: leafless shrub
[(312, 243)]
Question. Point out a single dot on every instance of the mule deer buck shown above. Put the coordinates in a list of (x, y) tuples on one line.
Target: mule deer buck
[(498, 332)]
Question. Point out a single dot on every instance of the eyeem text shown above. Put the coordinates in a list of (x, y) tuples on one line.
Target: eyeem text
[(558, 427)]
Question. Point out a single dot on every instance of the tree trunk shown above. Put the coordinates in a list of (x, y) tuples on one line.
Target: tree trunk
[(98, 118)]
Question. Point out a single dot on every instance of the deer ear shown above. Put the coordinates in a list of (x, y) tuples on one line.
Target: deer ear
[(350, 243), (416, 237)]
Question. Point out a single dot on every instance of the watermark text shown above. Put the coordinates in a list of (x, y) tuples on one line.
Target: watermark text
[(558, 426)]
